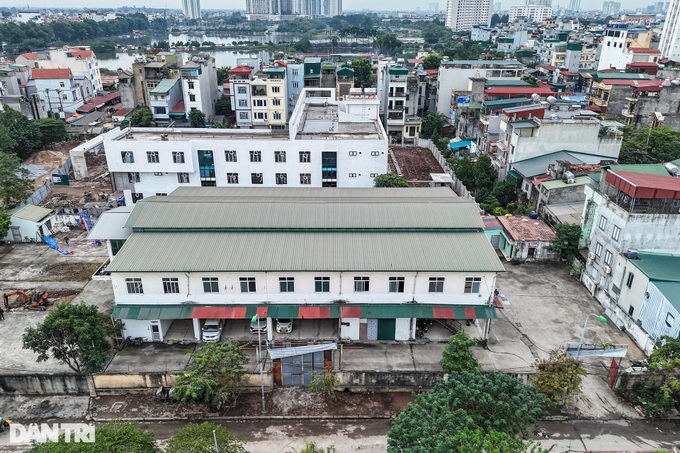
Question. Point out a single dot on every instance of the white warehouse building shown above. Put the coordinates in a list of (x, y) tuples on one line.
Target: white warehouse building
[(328, 144), (367, 262)]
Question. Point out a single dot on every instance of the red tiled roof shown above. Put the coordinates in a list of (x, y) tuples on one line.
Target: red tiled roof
[(58, 73), (645, 50), (123, 112), (81, 53), (282, 64), (415, 60), (548, 67), (432, 71), (522, 228), (106, 98), (31, 55), (241, 70), (179, 107), (645, 185), (568, 74), (649, 85)]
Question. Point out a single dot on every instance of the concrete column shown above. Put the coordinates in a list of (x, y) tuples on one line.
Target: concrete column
[(197, 329), (270, 329)]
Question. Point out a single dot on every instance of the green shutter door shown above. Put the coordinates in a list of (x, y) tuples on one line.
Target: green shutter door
[(386, 329)]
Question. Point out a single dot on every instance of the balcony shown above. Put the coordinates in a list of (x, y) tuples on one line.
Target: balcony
[(259, 92), (395, 116), (627, 113), (598, 100)]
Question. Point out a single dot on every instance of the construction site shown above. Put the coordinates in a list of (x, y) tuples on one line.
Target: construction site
[(414, 163)]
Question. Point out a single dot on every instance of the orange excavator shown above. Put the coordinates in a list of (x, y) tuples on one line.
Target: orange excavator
[(36, 301)]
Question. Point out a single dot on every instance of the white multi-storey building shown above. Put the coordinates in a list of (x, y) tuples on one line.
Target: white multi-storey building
[(611, 8), (199, 85), (328, 143), (81, 60), (239, 89), (461, 15), (324, 256), (534, 13), (670, 36), (613, 51), (58, 90), (191, 9)]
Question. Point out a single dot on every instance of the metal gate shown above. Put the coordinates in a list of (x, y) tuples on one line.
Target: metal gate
[(297, 370), (372, 329), (16, 233)]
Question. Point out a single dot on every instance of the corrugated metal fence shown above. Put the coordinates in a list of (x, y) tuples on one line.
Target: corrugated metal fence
[(42, 193)]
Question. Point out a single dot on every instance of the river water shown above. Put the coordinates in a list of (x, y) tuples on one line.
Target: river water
[(114, 61)]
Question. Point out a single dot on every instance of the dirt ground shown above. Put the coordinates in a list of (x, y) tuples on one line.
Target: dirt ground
[(415, 163)]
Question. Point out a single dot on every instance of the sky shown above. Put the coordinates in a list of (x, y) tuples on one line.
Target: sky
[(240, 4)]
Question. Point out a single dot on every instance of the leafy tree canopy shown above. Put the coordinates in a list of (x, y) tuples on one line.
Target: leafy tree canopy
[(457, 355), (666, 354), (141, 118), (645, 146), (312, 447), (559, 376), (15, 184), (387, 43), (75, 334), (196, 118), (222, 74), (433, 123), (5, 223), (198, 438), (432, 61), (51, 131), (362, 72), (390, 180), (491, 410), (24, 133), (111, 437), (213, 374), (567, 240), (223, 106)]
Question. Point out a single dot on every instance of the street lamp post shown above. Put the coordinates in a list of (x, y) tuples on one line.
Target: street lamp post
[(256, 319), (583, 331)]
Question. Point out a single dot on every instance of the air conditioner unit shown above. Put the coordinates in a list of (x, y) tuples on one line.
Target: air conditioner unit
[(591, 256), (607, 270)]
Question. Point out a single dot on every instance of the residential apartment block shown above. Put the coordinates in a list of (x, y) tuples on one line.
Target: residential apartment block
[(59, 90), (306, 254), (81, 60), (669, 45), (461, 15), (328, 144)]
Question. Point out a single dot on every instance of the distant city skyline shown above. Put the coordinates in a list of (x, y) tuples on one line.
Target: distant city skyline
[(348, 5)]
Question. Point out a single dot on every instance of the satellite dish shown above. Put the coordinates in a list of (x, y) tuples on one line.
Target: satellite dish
[(535, 97), (194, 58), (551, 100)]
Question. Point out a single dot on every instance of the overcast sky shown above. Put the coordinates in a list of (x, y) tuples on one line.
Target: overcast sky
[(240, 4)]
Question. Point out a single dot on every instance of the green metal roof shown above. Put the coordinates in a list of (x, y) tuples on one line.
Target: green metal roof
[(502, 103), (306, 251), (398, 70), (345, 71), (277, 70), (505, 83), (164, 86), (558, 183), (652, 169), (152, 311), (620, 75), (658, 266), (30, 212), (671, 291)]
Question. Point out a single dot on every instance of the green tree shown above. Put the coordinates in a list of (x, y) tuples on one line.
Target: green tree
[(457, 356), (559, 377), (432, 61), (112, 437), (303, 44), (15, 184), (387, 43), (362, 72), (666, 354), (222, 74), (7, 143), (506, 191), (433, 122), (196, 118), (5, 222), (213, 374), (51, 131), (223, 106), (567, 241), (24, 133), (390, 180), (531, 80), (198, 438), (312, 447), (490, 204), (76, 335), (660, 144), (491, 410), (141, 118), (485, 177), (464, 170)]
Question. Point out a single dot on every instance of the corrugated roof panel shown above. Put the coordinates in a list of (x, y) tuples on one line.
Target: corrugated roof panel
[(658, 266), (30, 212), (306, 251), (111, 225)]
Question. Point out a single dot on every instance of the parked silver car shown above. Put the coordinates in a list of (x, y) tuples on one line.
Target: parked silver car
[(284, 325)]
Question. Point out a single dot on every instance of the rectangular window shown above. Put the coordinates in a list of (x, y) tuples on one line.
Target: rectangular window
[(256, 156), (192, 98), (616, 233), (276, 101), (161, 194), (128, 157), (160, 110), (305, 178), (437, 285), (134, 286), (134, 177), (631, 309), (629, 280), (211, 285), (241, 90), (353, 153), (352, 175), (598, 249), (183, 178), (279, 156), (281, 178), (670, 319), (361, 284), (230, 156), (247, 284), (152, 157), (256, 178), (322, 284), (62, 85), (472, 284), (191, 85), (375, 153), (287, 284), (171, 285), (276, 89), (603, 223), (243, 102), (158, 173), (277, 116), (296, 84), (396, 284), (178, 157), (305, 157), (243, 115), (608, 257), (232, 178)]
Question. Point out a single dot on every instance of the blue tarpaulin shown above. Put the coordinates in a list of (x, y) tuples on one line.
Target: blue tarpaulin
[(52, 243), (460, 144)]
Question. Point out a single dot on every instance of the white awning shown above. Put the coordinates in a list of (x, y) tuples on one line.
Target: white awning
[(280, 353)]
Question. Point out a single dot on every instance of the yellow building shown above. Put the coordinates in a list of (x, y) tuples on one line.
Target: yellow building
[(276, 97)]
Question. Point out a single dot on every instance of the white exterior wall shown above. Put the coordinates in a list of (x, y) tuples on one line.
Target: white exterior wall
[(364, 165), (612, 53), (634, 296), (272, 98), (69, 97), (655, 315), (167, 101), (670, 36), (86, 67), (294, 84), (237, 99), (205, 90), (534, 13), (404, 329), (461, 15), (27, 228)]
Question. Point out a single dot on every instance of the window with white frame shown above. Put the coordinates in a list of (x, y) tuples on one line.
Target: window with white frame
[(616, 233), (279, 156), (437, 285), (603, 223), (134, 177), (396, 284), (241, 90), (152, 157), (183, 178), (277, 116), (287, 284), (171, 285), (243, 102), (473, 284), (256, 178), (276, 89), (352, 175), (134, 286), (608, 257), (128, 157), (230, 156), (305, 178), (598, 249), (243, 115), (256, 156), (211, 285), (629, 280), (178, 157), (247, 284), (670, 319), (281, 178), (322, 284), (305, 157), (361, 284), (232, 178)]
